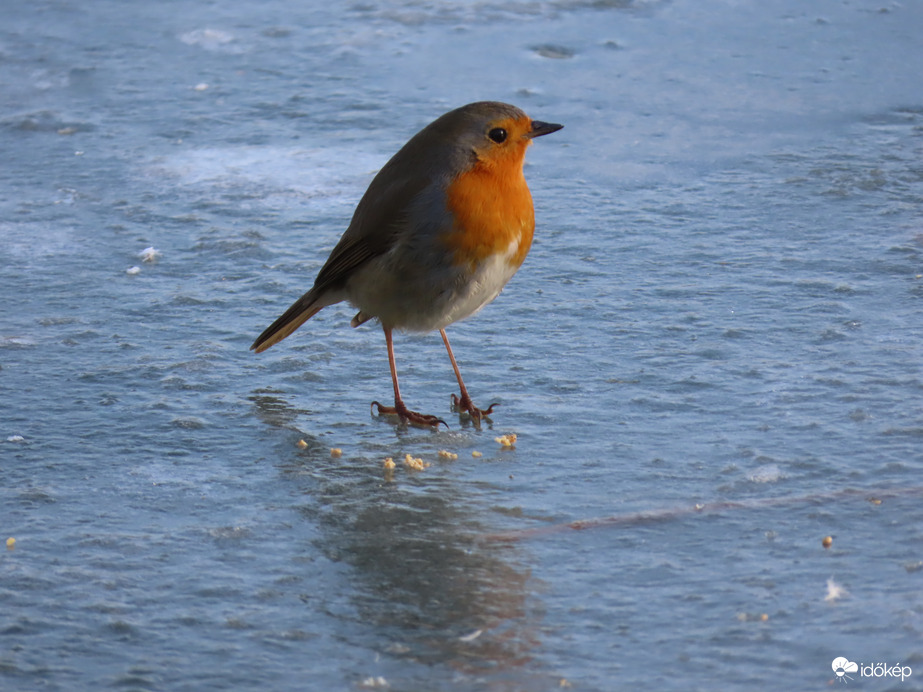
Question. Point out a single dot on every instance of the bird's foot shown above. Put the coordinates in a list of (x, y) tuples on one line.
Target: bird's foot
[(408, 416), (465, 404)]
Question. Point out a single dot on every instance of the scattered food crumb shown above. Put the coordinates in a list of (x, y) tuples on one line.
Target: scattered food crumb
[(445, 454), (10, 543), (476, 454), (15, 438), (834, 591), (150, 254), (375, 682), (507, 440), (471, 637), (133, 271), (564, 682), (417, 464), (201, 86), (827, 542), (389, 464), (301, 444), (764, 617), (336, 452), (875, 500), (699, 506)]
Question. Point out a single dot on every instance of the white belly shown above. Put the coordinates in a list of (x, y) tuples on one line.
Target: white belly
[(426, 301)]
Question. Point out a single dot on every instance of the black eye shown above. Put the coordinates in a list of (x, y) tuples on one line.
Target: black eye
[(498, 134)]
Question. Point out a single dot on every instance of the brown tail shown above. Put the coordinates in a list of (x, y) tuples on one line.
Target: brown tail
[(300, 312)]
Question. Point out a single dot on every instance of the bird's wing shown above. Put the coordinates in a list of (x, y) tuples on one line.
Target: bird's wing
[(381, 215)]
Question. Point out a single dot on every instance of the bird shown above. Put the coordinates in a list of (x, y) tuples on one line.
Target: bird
[(441, 229)]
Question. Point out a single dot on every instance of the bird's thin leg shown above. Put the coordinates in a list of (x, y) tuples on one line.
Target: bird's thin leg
[(399, 409), (464, 402)]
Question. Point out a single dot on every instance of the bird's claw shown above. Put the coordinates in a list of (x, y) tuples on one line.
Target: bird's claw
[(465, 404), (408, 416)]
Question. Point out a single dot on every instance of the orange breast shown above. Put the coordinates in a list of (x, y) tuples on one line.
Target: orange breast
[(492, 209)]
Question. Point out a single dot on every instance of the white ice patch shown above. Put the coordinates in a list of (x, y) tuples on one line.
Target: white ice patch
[(332, 177), (29, 241), (835, 591), (768, 473), (211, 39)]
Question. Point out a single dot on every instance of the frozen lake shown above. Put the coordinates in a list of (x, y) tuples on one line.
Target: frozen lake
[(712, 358)]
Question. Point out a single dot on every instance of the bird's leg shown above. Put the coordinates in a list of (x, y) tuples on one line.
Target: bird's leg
[(399, 409), (464, 402)]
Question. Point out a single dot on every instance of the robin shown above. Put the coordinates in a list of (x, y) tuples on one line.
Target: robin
[(441, 229)]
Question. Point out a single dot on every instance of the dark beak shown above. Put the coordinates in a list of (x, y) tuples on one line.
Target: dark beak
[(539, 128)]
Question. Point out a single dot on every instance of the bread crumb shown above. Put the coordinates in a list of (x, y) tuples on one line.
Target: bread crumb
[(336, 452), (417, 464), (301, 444), (827, 542), (476, 454), (389, 464), (445, 454), (753, 617), (10, 543), (506, 440)]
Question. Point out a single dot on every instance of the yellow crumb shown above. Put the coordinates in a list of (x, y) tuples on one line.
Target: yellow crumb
[(476, 454), (336, 452), (445, 454), (301, 444), (10, 543), (506, 440), (827, 542), (764, 617), (417, 464), (874, 500), (389, 463)]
